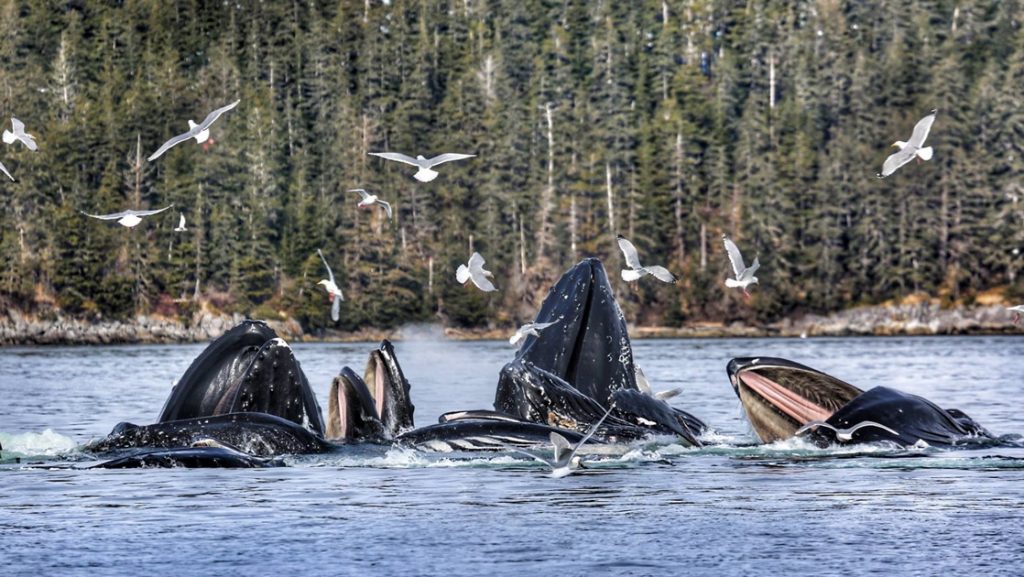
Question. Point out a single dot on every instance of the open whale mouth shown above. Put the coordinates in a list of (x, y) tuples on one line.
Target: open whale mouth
[(248, 369), (780, 396), (373, 407)]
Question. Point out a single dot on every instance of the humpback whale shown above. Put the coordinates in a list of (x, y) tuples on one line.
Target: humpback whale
[(782, 396), (568, 375), (245, 391), (248, 369)]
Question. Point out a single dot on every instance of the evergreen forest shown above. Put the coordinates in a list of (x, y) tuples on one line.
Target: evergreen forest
[(669, 122)]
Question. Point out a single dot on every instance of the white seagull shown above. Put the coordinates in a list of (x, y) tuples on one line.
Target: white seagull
[(529, 329), (127, 218), (181, 223), (18, 134), (636, 270), (4, 170), (909, 150), (844, 434), (744, 274), (645, 387), (1017, 312), (200, 132), (370, 200), (565, 460), (333, 292), (475, 272), (424, 174)]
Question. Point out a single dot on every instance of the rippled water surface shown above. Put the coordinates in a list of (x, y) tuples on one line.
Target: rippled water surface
[(657, 509)]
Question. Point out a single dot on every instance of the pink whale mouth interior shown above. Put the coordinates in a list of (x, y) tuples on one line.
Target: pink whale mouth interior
[(789, 403), (342, 411)]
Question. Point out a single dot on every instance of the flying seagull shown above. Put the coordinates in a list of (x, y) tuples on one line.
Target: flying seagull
[(4, 170), (181, 223), (200, 132), (18, 133), (370, 200), (909, 150), (636, 270), (127, 218), (844, 434), (565, 460), (645, 387), (744, 274), (424, 174), (529, 329), (1017, 311), (475, 272), (333, 292)]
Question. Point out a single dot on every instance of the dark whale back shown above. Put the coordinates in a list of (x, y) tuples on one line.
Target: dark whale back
[(914, 418)]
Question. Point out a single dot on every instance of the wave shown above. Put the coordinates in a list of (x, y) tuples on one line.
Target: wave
[(48, 443)]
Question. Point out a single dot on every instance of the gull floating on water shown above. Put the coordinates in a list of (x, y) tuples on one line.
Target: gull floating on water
[(333, 292), (424, 174), (636, 270), (529, 329), (4, 170), (1017, 311), (744, 274), (18, 134), (645, 387), (200, 132), (565, 460), (181, 223), (475, 272), (844, 434), (127, 218), (370, 200), (909, 150)]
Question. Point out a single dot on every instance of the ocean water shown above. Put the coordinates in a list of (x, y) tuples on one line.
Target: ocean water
[(653, 508)]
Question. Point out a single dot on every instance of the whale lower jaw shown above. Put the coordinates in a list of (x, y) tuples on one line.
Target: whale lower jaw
[(480, 431)]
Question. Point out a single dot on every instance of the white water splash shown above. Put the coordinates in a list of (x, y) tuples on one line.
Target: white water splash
[(46, 444)]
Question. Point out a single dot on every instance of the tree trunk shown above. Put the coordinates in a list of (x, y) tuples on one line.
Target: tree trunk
[(611, 197)]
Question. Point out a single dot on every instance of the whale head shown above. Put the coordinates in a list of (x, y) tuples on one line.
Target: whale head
[(248, 369), (780, 396)]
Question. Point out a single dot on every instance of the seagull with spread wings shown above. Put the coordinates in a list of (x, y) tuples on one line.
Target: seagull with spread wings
[(127, 218), (333, 292), (844, 435), (744, 274), (636, 270), (370, 200), (910, 150), (529, 329), (200, 132), (424, 174), (18, 134), (476, 273), (565, 460)]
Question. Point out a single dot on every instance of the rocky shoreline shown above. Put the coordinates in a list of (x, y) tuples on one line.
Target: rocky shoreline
[(925, 318)]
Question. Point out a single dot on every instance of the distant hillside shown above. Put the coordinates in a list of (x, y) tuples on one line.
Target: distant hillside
[(668, 122)]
